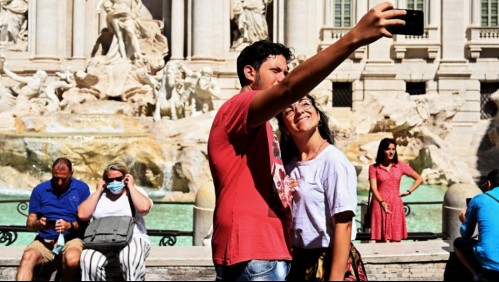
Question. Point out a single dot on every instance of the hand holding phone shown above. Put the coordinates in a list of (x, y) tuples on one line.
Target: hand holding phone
[(414, 23), (50, 222)]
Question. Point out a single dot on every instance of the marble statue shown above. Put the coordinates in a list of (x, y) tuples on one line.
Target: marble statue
[(249, 17), (28, 86), (66, 81), (33, 94), (168, 91), (122, 20), (130, 32), (203, 91), (13, 21), (7, 99)]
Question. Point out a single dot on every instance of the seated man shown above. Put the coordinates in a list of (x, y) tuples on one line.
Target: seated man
[(53, 209), (481, 256)]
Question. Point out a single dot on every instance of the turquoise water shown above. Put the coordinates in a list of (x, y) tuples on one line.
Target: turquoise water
[(423, 218)]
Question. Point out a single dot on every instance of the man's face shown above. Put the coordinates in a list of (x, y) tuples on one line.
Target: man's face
[(61, 177), (271, 72)]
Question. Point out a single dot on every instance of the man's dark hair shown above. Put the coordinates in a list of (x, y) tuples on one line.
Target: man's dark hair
[(383, 145), (493, 177), (255, 54), (63, 161)]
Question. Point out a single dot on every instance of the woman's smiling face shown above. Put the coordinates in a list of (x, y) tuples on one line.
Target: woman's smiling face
[(300, 117)]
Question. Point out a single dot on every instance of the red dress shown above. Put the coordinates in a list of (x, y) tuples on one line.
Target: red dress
[(388, 227)]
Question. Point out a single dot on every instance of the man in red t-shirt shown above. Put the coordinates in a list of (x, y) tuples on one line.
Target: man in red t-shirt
[(252, 217)]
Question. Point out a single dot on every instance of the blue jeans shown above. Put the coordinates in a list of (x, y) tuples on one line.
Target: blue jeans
[(254, 270)]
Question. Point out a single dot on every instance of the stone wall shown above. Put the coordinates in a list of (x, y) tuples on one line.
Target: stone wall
[(406, 261)]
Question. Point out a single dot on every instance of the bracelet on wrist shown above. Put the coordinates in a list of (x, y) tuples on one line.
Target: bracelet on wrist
[(409, 191), (381, 202)]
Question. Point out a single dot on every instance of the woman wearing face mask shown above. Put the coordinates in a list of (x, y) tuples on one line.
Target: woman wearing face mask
[(116, 195), (387, 210)]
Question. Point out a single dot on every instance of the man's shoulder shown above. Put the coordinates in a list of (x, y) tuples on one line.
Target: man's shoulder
[(233, 107), (77, 183), (42, 186), (237, 98)]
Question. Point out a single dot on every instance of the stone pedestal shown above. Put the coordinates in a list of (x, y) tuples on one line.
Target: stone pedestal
[(454, 202), (203, 214)]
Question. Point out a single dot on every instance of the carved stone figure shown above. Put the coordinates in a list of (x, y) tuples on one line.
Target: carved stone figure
[(122, 20), (52, 99), (204, 90), (28, 87), (13, 21), (7, 99), (130, 32), (249, 16), (168, 92), (33, 94)]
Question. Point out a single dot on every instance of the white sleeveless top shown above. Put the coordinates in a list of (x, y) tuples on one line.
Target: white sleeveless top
[(121, 206)]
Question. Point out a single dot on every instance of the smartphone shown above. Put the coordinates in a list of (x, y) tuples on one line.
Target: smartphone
[(50, 222), (414, 24), (468, 201)]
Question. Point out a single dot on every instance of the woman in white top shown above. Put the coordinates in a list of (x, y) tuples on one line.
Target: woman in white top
[(114, 196), (325, 198)]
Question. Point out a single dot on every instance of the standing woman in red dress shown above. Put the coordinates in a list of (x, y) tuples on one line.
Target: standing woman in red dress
[(387, 210)]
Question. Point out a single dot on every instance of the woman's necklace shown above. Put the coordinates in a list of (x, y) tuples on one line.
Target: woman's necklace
[(318, 150)]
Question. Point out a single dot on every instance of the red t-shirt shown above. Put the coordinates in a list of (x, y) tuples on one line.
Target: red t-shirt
[(249, 221)]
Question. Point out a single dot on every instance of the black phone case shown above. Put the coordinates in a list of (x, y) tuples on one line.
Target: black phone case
[(414, 24)]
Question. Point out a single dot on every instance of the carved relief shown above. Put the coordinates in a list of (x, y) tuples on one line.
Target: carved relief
[(13, 24)]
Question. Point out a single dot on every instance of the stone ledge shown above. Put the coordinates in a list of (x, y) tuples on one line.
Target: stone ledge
[(424, 251), (416, 261)]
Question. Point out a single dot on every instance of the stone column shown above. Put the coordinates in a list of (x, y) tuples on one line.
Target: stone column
[(92, 26), (47, 29), (279, 15), (433, 10), (456, 21), (203, 15), (296, 25), (79, 29), (475, 13), (177, 30)]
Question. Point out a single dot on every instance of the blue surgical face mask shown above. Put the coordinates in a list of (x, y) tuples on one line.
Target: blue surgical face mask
[(116, 187), (60, 244)]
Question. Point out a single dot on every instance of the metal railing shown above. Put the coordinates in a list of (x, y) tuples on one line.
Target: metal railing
[(364, 232), (9, 233)]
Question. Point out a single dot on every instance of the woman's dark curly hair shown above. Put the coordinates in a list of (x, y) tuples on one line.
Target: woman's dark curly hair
[(288, 146)]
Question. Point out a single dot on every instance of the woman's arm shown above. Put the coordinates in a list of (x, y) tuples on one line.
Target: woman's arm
[(342, 225), (377, 196), (417, 181), (87, 208), (141, 202)]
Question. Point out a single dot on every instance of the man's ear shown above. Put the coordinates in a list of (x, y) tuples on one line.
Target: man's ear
[(250, 73), (489, 185)]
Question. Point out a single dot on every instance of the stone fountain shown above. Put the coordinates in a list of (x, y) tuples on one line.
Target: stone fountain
[(127, 105), (130, 102)]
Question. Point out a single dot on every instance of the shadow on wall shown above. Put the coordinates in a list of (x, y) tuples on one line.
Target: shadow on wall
[(488, 151)]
